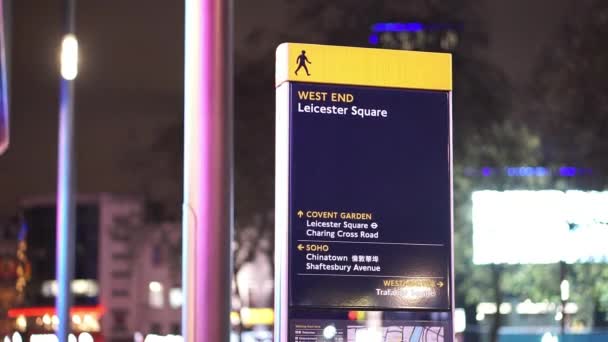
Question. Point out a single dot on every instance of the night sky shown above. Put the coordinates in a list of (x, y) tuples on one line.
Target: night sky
[(129, 87)]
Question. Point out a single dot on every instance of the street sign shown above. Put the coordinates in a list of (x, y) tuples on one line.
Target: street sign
[(363, 194)]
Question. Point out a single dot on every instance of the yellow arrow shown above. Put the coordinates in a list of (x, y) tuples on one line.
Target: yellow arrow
[(300, 213), (440, 284), (300, 247)]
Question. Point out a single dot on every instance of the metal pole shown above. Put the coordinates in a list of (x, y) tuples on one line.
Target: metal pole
[(562, 276), (208, 164), (65, 195), (4, 74)]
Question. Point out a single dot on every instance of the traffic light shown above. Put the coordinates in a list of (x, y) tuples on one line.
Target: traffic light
[(4, 112)]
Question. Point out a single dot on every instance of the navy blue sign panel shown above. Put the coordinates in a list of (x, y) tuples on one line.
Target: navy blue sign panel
[(370, 199)]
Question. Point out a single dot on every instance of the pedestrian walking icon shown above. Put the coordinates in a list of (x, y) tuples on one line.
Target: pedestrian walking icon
[(302, 60)]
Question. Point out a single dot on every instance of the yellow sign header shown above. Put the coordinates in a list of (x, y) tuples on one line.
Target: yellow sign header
[(363, 66)]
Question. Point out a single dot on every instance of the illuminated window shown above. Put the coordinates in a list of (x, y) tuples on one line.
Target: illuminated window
[(80, 287), (155, 296), (175, 297)]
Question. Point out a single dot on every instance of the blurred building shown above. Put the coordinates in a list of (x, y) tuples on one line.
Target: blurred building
[(437, 37), (127, 283), (14, 270), (127, 275), (550, 216)]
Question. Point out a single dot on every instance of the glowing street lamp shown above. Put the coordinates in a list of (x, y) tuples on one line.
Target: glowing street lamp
[(69, 57), (565, 290)]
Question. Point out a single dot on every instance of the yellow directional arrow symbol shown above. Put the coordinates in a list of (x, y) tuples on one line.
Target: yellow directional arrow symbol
[(440, 284), (300, 247), (300, 213)]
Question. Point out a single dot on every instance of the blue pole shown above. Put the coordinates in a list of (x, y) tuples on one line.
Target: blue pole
[(65, 227)]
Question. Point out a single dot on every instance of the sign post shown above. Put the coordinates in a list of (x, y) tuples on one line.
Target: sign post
[(364, 230)]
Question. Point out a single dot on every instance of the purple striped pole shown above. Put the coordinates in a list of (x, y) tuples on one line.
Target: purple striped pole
[(4, 82)]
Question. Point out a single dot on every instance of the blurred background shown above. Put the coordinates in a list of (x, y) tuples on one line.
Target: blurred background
[(530, 120)]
